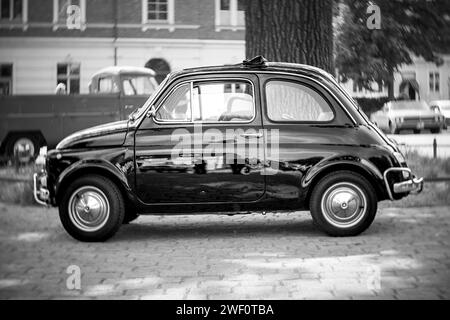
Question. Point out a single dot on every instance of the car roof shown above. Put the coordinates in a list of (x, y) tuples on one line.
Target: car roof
[(261, 65), (117, 70)]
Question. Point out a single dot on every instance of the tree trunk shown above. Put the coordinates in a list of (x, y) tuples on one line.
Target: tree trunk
[(299, 31)]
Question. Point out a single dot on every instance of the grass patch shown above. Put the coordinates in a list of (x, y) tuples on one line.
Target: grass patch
[(427, 167), (434, 193), (17, 192)]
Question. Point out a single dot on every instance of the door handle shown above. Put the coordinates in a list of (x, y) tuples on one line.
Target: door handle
[(129, 106), (252, 135)]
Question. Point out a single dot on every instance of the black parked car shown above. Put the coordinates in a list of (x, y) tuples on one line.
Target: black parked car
[(252, 136)]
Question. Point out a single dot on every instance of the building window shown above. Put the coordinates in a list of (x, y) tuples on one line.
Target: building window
[(14, 12), (69, 75), (230, 14), (69, 13), (158, 12), (11, 9), (6, 79), (434, 81)]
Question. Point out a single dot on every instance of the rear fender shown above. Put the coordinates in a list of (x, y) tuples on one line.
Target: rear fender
[(358, 165)]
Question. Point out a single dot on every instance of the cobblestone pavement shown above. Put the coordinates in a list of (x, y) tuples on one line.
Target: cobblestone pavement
[(404, 255)]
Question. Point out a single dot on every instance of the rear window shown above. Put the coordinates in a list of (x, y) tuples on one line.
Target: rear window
[(291, 101)]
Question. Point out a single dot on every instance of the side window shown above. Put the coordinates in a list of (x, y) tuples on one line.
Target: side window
[(105, 85), (177, 106), (222, 101), (290, 101)]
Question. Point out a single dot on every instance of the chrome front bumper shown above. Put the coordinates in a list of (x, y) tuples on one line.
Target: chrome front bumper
[(413, 185), (40, 191)]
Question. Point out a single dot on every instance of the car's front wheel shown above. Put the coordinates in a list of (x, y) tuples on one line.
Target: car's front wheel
[(92, 209), (343, 204)]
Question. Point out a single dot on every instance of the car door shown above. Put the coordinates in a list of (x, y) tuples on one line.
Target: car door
[(202, 143)]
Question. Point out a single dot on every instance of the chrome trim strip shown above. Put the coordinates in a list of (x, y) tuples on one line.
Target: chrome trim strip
[(411, 180), (410, 185), (388, 188), (191, 82)]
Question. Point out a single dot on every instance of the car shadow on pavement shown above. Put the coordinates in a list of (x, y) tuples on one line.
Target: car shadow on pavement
[(217, 229)]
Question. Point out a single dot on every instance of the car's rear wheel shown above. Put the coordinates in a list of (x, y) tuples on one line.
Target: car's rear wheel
[(92, 209), (343, 204)]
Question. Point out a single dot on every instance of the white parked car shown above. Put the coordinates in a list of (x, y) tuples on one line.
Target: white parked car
[(442, 107), (407, 115)]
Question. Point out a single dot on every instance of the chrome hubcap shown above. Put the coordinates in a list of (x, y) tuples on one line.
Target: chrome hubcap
[(88, 208), (344, 204)]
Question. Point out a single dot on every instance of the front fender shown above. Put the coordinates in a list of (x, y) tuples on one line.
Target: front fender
[(100, 166)]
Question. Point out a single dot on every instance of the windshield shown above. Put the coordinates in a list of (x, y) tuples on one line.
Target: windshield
[(138, 85), (409, 105), (138, 112)]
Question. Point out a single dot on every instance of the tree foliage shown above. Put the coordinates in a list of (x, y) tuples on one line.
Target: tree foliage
[(408, 28)]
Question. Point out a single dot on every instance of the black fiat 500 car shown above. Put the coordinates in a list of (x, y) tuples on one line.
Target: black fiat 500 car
[(229, 139)]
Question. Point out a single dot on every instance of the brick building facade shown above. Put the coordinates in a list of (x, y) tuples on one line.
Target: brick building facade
[(45, 41)]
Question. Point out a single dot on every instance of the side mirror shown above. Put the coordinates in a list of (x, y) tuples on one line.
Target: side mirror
[(151, 112)]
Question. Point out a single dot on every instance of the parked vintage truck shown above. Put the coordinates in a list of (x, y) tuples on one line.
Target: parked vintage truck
[(28, 122)]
